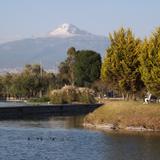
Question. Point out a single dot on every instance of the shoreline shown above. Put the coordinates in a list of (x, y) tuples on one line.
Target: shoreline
[(112, 127), (125, 116)]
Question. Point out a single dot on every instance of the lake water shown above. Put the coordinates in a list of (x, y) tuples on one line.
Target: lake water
[(63, 138)]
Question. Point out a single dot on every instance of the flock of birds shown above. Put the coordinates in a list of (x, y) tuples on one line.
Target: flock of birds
[(41, 139)]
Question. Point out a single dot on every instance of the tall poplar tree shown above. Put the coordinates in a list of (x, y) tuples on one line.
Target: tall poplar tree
[(71, 53), (150, 63), (120, 68)]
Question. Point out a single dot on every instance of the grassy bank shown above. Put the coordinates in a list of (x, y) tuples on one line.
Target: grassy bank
[(126, 115)]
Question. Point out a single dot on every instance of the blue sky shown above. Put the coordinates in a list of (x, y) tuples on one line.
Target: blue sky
[(27, 18)]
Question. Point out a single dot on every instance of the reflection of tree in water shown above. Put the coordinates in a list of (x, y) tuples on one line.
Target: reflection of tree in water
[(65, 122), (75, 121)]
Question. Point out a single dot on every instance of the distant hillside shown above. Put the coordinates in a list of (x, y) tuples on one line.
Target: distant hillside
[(49, 50)]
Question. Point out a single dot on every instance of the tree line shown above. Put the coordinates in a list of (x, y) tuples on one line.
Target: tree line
[(81, 68), (131, 66), (33, 81)]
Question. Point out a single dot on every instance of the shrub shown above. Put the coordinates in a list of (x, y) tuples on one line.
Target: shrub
[(40, 100), (86, 95), (56, 97), (70, 94)]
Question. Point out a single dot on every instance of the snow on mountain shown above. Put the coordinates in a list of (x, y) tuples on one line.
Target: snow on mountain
[(49, 50), (68, 30)]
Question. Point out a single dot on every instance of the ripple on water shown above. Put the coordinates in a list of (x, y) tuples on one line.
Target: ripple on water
[(62, 138), (48, 144)]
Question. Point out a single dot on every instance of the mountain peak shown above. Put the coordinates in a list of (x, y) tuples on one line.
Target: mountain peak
[(67, 29)]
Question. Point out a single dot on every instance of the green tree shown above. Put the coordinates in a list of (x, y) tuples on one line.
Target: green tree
[(17, 88), (7, 82), (71, 62), (87, 67), (2, 94), (150, 63), (32, 75), (33, 81), (120, 68), (66, 69), (63, 76)]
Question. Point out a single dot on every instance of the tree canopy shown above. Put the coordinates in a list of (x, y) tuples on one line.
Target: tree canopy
[(150, 63), (87, 67), (120, 68), (32, 81), (81, 68)]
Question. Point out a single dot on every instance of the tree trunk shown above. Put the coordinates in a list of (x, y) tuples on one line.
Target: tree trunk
[(123, 96), (134, 97)]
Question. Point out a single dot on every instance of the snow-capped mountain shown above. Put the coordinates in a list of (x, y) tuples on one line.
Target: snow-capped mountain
[(66, 30), (49, 50)]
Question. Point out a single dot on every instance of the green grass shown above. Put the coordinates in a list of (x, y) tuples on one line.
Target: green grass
[(126, 114), (39, 100)]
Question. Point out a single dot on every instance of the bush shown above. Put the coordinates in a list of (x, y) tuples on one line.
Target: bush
[(86, 95), (40, 100), (56, 97), (71, 94)]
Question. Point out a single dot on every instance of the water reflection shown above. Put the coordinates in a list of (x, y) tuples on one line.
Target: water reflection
[(63, 138), (134, 146), (45, 122)]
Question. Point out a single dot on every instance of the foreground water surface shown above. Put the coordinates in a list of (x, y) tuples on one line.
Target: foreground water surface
[(63, 138)]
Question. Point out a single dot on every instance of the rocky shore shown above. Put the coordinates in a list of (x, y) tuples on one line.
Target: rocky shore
[(112, 127)]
